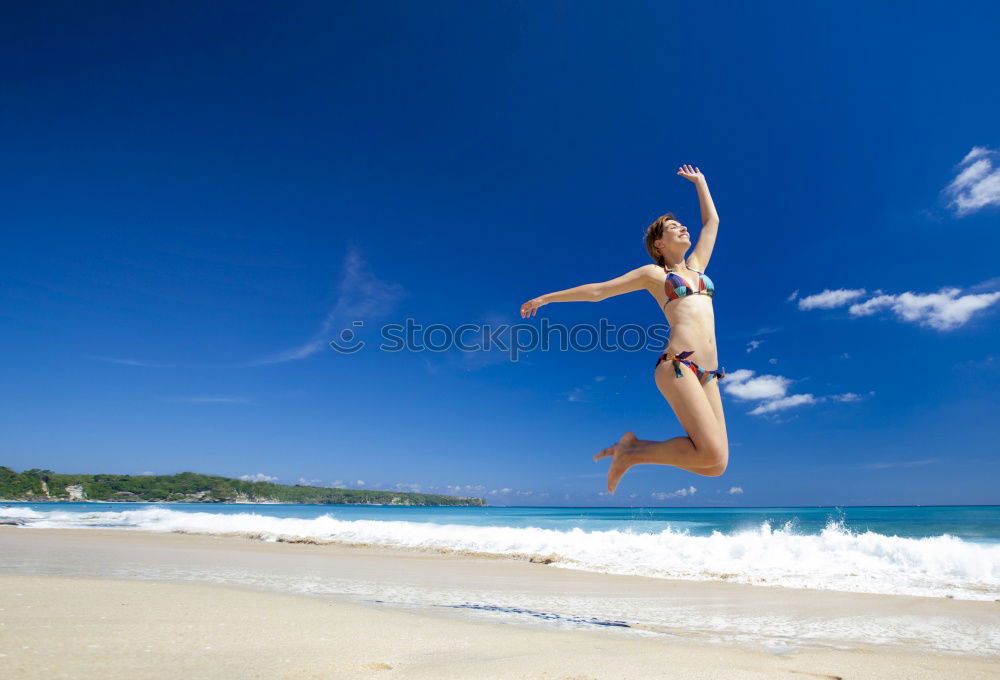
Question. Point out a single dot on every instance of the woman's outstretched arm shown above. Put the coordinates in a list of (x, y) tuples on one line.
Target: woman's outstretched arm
[(637, 279), (702, 252)]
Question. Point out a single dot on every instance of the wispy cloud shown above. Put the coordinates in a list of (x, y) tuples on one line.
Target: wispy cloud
[(944, 311), (977, 184), (752, 345), (465, 488), (509, 492), (680, 493), (898, 464), (259, 477), (584, 393), (131, 362), (735, 490), (974, 153), (846, 397), (209, 400), (829, 299), (361, 296)]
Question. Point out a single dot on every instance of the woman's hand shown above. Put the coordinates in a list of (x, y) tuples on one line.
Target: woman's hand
[(691, 173), (531, 306)]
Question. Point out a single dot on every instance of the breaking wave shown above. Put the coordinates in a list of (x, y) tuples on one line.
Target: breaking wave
[(834, 559)]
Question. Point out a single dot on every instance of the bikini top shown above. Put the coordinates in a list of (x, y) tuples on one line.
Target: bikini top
[(676, 287)]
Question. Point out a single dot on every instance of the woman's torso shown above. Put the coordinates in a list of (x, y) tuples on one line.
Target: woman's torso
[(691, 316)]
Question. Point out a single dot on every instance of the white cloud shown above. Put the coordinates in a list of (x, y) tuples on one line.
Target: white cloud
[(846, 397), (772, 361), (735, 490), (771, 391), (360, 296), (308, 482), (977, 184), (578, 395), (680, 493), (739, 375), (752, 345), (337, 484), (795, 294), (360, 482), (829, 299), (259, 477), (944, 310), (784, 403), (742, 385)]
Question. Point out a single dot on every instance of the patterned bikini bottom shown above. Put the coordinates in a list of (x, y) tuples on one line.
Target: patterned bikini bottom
[(681, 358)]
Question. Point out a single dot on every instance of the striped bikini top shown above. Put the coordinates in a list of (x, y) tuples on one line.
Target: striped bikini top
[(676, 287)]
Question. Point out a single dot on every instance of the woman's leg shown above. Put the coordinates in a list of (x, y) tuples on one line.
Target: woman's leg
[(705, 449)]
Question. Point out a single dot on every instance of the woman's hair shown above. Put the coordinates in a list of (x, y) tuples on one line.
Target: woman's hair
[(654, 232)]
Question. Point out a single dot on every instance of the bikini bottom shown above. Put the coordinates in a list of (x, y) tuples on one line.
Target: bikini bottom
[(681, 358)]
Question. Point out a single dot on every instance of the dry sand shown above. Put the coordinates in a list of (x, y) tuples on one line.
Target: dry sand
[(93, 625)]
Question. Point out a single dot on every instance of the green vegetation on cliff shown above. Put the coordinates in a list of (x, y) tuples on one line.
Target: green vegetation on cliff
[(189, 487)]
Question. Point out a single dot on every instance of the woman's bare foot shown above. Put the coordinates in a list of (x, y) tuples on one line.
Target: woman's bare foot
[(622, 455)]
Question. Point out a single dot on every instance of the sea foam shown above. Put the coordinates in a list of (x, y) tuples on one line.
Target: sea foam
[(834, 559)]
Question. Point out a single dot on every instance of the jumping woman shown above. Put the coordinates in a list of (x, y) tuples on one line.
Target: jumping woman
[(683, 372)]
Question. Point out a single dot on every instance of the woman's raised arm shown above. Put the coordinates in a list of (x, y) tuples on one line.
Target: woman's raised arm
[(637, 279), (702, 252)]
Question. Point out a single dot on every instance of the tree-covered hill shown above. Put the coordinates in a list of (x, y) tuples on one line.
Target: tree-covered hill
[(190, 487)]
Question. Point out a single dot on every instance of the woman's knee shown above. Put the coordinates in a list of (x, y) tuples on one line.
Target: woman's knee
[(714, 452), (714, 471)]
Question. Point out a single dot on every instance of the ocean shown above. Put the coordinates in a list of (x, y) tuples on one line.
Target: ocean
[(925, 551)]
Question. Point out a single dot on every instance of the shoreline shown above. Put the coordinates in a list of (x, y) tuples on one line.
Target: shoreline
[(837, 559), (661, 618)]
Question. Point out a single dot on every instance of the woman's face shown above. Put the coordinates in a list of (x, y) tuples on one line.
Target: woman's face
[(674, 234)]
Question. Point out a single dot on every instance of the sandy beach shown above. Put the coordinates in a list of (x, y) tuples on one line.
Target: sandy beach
[(115, 604)]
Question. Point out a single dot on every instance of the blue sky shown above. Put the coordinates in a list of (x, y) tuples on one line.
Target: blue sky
[(198, 197)]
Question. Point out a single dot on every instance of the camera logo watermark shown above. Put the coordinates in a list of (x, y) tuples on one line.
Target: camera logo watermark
[(514, 339)]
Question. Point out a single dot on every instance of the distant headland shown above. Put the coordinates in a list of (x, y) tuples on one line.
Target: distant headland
[(40, 486)]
